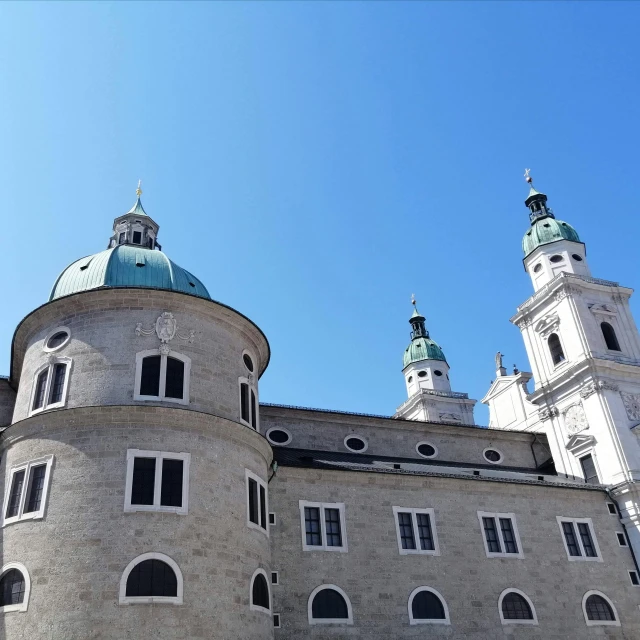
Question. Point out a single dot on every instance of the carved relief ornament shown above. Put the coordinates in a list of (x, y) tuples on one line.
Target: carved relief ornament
[(603, 310), (567, 290), (548, 412), (547, 325), (524, 323), (631, 403), (595, 385), (166, 328)]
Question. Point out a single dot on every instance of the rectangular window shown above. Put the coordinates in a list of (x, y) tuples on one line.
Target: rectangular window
[(257, 502), (323, 526), (41, 386), (174, 386), (50, 386), (150, 376), (589, 470), (59, 374), (276, 620), (248, 403), (500, 534), (272, 518), (137, 237), (157, 481), (162, 377), (579, 539), (415, 531), (622, 539), (121, 238), (244, 401), (612, 509), (253, 410), (275, 577), (633, 576), (26, 495)]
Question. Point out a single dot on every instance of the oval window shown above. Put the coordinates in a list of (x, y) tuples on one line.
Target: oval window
[(422, 374), (410, 379), (556, 258), (537, 267), (56, 339), (355, 443), (278, 436), (438, 372), (248, 362), (426, 450), (492, 455), (576, 257)]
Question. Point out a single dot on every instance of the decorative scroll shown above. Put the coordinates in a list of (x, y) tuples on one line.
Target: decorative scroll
[(548, 412), (166, 328)]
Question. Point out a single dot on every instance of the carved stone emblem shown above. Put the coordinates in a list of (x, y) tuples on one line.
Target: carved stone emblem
[(524, 323), (575, 419), (632, 405), (547, 325), (166, 328), (603, 309), (591, 387), (567, 290), (549, 412), (454, 417)]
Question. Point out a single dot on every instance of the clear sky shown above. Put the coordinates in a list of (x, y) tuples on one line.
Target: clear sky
[(316, 163)]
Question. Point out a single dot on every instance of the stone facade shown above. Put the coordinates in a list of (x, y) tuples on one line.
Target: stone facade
[(7, 402)]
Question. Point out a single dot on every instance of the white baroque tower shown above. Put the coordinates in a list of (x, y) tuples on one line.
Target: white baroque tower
[(584, 350)]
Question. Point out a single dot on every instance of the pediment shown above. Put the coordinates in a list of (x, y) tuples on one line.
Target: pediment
[(603, 309), (579, 442)]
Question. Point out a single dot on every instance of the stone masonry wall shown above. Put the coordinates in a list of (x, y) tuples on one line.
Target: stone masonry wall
[(7, 402)]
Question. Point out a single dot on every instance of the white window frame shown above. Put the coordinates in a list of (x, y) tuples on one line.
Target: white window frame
[(516, 533), (412, 621), (157, 493), (276, 621), (272, 516), (323, 534), (624, 537), (50, 366), (24, 605), (279, 444), (50, 335), (26, 488), (583, 557), (254, 388), (357, 437), (255, 607), (141, 355), (484, 455), (322, 587), (177, 600), (599, 623), (252, 525), (414, 522), (554, 367), (277, 576), (510, 621), (615, 510), (637, 576)]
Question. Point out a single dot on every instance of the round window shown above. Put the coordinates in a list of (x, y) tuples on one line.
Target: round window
[(556, 258), (422, 374), (438, 372), (57, 339), (426, 450), (278, 436), (492, 455), (248, 362), (576, 257), (537, 267), (355, 443)]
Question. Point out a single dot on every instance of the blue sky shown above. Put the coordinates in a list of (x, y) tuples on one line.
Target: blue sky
[(316, 163)]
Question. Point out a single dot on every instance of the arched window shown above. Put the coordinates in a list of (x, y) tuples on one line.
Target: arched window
[(329, 604), (15, 586), (260, 599), (50, 385), (599, 610), (516, 608), (610, 336), (151, 578), (427, 606), (162, 376), (248, 403), (555, 348)]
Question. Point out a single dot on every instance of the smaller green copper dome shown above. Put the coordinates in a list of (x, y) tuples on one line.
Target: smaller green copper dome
[(127, 266), (422, 348), (546, 230)]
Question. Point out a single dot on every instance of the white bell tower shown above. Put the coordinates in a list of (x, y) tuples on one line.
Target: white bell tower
[(584, 349)]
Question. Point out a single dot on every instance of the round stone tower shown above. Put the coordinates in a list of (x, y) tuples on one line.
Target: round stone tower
[(134, 473)]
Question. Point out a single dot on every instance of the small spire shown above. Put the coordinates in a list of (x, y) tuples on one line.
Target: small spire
[(139, 190)]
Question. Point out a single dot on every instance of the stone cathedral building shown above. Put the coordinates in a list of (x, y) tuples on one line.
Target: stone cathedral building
[(146, 492)]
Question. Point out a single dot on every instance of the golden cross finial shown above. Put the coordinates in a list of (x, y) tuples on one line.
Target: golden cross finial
[(527, 177), (413, 300), (139, 190)]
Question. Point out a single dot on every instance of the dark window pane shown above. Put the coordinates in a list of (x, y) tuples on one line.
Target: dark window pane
[(424, 531), (121, 238), (587, 542), (427, 606), (253, 501), (41, 385), (171, 489), (15, 495), (254, 416), (508, 537), (260, 592), (405, 525), (598, 608), (355, 443), (312, 526), (332, 527), (57, 339), (589, 470), (59, 373), (174, 387), (633, 576), (278, 436), (244, 401), (12, 586), (610, 337), (491, 535), (555, 348), (144, 478), (152, 578), (263, 507), (328, 603), (570, 537), (137, 237), (248, 362), (515, 607), (37, 487), (150, 376)]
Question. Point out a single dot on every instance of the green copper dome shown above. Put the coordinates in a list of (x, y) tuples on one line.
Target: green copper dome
[(127, 266), (545, 231), (422, 347)]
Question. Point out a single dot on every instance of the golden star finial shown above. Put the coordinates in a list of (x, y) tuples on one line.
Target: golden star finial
[(139, 190)]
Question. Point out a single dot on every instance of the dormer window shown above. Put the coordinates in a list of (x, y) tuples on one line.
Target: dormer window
[(121, 238), (137, 237)]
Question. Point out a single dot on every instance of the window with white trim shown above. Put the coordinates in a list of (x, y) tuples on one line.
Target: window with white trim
[(248, 403), (416, 531), (157, 481), (57, 339), (427, 606), (622, 539), (599, 610), (259, 594), (151, 578), (15, 587), (635, 580), (515, 607), (579, 539), (323, 526), (257, 502), (27, 490), (329, 604), (50, 385), (500, 535), (162, 376)]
